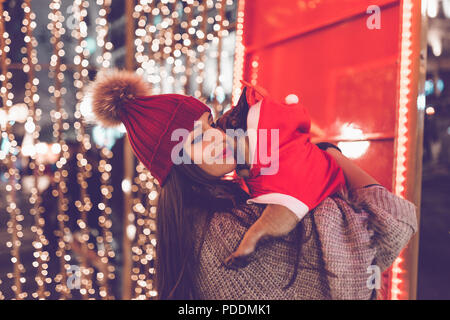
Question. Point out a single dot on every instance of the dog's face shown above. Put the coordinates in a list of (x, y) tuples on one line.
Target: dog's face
[(236, 118)]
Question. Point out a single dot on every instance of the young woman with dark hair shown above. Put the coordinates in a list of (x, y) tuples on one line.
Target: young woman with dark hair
[(202, 216)]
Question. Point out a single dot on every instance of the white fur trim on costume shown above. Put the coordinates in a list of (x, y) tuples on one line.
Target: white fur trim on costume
[(291, 99), (296, 206)]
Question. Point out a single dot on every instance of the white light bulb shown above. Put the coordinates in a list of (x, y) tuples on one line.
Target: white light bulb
[(126, 185), (30, 126), (432, 9), (56, 148)]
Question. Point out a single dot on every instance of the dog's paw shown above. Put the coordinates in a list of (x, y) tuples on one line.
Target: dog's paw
[(236, 262)]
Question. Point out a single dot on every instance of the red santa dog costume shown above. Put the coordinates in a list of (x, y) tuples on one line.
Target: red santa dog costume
[(301, 175)]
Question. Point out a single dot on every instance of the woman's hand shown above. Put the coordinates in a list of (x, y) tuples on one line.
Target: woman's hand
[(354, 175)]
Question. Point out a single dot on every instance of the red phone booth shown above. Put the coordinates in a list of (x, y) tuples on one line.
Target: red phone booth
[(358, 66)]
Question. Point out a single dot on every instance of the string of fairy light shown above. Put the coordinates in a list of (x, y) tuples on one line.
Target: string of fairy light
[(201, 47), (220, 5), (172, 40), (143, 248), (102, 31), (190, 53), (84, 204), (30, 65), (239, 53), (9, 157), (105, 250), (164, 41), (58, 115), (197, 29), (397, 272)]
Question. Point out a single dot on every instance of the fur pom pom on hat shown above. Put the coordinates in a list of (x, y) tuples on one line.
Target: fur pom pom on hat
[(110, 91), (120, 96)]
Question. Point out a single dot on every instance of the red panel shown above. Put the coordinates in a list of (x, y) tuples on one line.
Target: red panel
[(344, 73), (267, 21), (373, 161)]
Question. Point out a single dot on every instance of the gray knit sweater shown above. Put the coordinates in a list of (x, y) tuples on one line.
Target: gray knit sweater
[(343, 237)]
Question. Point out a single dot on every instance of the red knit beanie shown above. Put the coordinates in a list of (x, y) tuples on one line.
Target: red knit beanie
[(122, 97)]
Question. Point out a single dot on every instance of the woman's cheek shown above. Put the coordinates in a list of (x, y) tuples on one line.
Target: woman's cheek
[(197, 153), (211, 151)]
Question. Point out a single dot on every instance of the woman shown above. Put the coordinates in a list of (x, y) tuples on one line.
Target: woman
[(202, 217)]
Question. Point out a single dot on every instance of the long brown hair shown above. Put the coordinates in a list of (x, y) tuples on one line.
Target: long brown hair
[(188, 197)]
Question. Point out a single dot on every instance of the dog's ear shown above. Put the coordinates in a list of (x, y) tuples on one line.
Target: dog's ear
[(239, 117), (224, 122), (242, 102), (236, 117)]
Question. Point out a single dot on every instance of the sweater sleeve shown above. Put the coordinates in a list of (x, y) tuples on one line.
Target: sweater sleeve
[(369, 228), (392, 219)]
